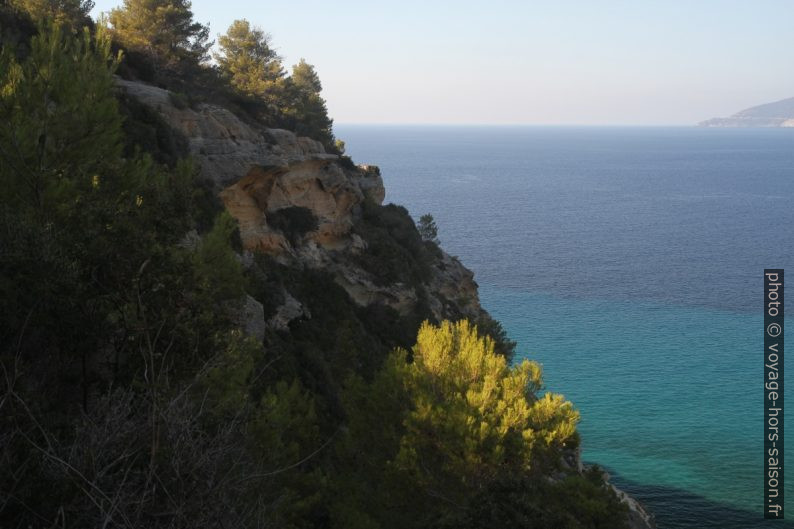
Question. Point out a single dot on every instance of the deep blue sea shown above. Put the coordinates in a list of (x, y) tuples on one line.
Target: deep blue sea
[(629, 262)]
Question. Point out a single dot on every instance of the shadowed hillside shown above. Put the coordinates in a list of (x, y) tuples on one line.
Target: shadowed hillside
[(212, 320)]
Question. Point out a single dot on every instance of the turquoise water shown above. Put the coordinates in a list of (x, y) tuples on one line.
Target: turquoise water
[(628, 261), (655, 416)]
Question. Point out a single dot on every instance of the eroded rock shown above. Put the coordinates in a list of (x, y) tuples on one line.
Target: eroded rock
[(258, 171)]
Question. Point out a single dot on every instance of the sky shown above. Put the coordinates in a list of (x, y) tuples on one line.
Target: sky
[(560, 62)]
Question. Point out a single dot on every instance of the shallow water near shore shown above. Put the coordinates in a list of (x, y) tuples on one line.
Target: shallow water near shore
[(628, 261), (683, 423)]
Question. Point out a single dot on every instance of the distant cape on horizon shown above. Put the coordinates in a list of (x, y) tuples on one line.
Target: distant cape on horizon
[(777, 114)]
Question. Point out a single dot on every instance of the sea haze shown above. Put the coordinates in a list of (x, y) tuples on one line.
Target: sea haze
[(628, 261)]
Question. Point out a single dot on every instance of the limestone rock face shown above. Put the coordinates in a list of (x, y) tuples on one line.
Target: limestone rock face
[(290, 310), (455, 288), (259, 171), (252, 318)]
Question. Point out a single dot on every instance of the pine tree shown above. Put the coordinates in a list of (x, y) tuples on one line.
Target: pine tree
[(427, 228), (474, 417), (163, 29), (310, 112), (305, 78), (249, 62), (73, 14), (61, 123)]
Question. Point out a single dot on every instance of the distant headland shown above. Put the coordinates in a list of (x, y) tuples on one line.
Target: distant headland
[(777, 114)]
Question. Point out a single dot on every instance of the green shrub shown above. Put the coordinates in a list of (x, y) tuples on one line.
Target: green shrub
[(503, 345), (145, 129), (395, 250)]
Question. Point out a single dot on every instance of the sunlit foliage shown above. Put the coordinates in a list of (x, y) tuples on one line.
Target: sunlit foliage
[(473, 415)]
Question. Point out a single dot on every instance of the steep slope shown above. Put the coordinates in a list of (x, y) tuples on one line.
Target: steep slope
[(777, 114)]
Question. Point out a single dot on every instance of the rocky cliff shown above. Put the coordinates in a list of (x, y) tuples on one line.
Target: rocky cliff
[(264, 174), (777, 114), (259, 172)]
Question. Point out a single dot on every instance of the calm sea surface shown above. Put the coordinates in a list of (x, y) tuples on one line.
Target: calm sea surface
[(628, 261)]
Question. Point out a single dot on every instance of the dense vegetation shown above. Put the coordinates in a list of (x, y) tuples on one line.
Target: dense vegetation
[(130, 398)]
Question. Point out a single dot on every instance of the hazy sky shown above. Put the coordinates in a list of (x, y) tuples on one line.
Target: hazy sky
[(535, 62)]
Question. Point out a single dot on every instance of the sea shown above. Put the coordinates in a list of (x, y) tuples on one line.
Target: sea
[(629, 262)]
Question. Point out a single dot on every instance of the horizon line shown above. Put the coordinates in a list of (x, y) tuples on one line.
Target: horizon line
[(453, 124)]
